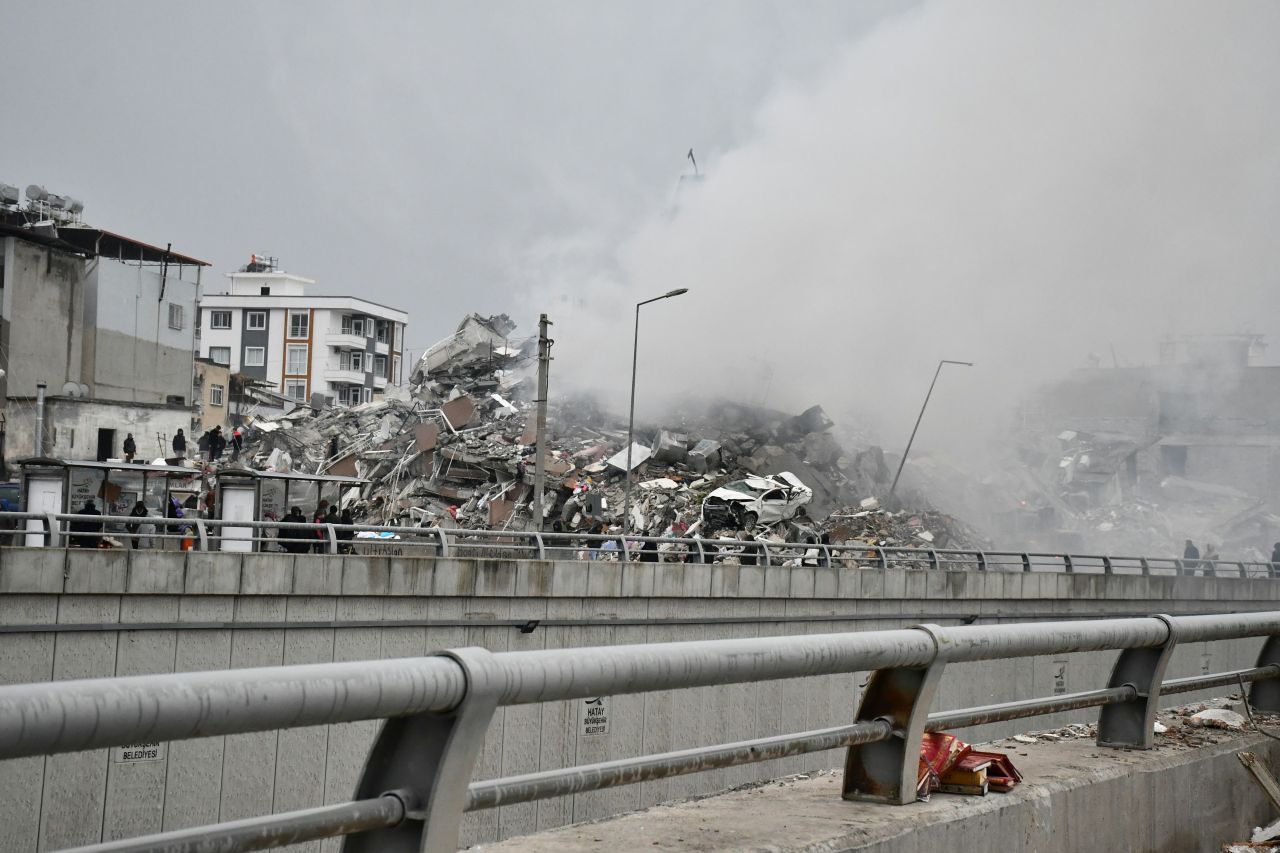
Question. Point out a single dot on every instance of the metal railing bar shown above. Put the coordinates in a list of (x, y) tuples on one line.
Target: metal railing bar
[(798, 618), (942, 721), (532, 545), (1199, 682), (261, 833), (629, 771), (68, 716)]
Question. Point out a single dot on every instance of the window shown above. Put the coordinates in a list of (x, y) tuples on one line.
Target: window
[(349, 395), (395, 369), (264, 290), (382, 331), (218, 319), (255, 356), (216, 393), (296, 360), (351, 361), (368, 395), (353, 325), (175, 315), (220, 355), (255, 320), (295, 389), (380, 366), (299, 324)]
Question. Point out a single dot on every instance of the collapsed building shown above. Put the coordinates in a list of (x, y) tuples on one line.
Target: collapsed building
[(1137, 459), (461, 452)]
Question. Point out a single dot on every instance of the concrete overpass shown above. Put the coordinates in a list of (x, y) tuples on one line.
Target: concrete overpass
[(73, 614)]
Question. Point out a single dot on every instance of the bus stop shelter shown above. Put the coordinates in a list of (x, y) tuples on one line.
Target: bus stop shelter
[(244, 494), (52, 486)]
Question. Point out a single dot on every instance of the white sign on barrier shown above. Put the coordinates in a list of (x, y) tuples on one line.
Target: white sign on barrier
[(595, 716), (138, 752)]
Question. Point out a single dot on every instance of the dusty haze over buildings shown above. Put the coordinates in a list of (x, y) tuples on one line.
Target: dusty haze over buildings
[(1018, 185)]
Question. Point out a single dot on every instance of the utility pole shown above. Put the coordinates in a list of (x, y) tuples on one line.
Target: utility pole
[(540, 463)]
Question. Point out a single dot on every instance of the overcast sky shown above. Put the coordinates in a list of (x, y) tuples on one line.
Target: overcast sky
[(1016, 184), (415, 154)]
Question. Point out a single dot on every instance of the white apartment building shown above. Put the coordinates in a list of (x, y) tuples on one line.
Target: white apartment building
[(269, 328)]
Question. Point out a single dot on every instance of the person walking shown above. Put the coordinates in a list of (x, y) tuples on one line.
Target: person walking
[(180, 444), (345, 536), (1207, 562), (130, 447), (88, 533), (1190, 558), (139, 511), (294, 539), (216, 444), (237, 444)]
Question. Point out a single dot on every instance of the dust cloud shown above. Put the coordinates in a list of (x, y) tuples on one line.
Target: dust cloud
[(1017, 185)]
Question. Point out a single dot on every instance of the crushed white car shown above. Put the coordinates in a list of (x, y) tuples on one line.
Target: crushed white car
[(744, 504)]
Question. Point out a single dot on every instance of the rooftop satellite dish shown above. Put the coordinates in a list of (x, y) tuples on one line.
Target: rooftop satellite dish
[(70, 389), (35, 192), (8, 194), (75, 205)]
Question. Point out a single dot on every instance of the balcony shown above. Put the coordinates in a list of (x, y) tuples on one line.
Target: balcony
[(346, 377), (381, 347), (379, 382), (346, 340)]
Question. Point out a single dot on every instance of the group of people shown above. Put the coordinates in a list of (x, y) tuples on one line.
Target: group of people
[(213, 444), (88, 530), (302, 540)]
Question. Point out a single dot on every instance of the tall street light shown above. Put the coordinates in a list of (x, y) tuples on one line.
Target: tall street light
[(919, 418), (631, 419)]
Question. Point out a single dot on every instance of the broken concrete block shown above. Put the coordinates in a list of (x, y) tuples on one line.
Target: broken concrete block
[(705, 456), (459, 411), (1218, 718), (813, 419), (671, 446)]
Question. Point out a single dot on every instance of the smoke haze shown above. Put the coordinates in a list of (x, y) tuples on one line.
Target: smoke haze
[(1017, 185)]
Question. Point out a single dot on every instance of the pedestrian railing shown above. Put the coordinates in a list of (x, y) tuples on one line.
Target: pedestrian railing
[(416, 782), (206, 534)]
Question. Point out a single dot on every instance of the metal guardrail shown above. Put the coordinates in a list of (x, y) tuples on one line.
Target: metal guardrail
[(416, 783), (203, 534)]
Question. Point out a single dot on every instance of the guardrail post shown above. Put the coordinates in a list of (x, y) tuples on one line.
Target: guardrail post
[(542, 548), (54, 537), (933, 559), (982, 561), (331, 537), (1146, 567), (1130, 725), (887, 771), (1243, 572), (764, 545), (1067, 565), (1026, 562), (444, 542), (202, 534), (1264, 695), (1106, 566), (427, 762), (884, 557)]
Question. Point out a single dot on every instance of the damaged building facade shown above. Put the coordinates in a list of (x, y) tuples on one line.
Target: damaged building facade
[(107, 322), (269, 330), (1186, 448)]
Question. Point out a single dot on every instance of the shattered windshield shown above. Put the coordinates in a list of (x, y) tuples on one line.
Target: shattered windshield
[(748, 486)]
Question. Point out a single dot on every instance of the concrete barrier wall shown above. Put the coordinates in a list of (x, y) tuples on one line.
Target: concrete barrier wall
[(68, 615)]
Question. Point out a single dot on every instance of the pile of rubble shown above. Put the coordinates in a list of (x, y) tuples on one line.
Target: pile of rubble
[(461, 451)]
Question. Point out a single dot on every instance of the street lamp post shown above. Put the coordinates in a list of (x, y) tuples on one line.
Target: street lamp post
[(919, 418), (631, 418)]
